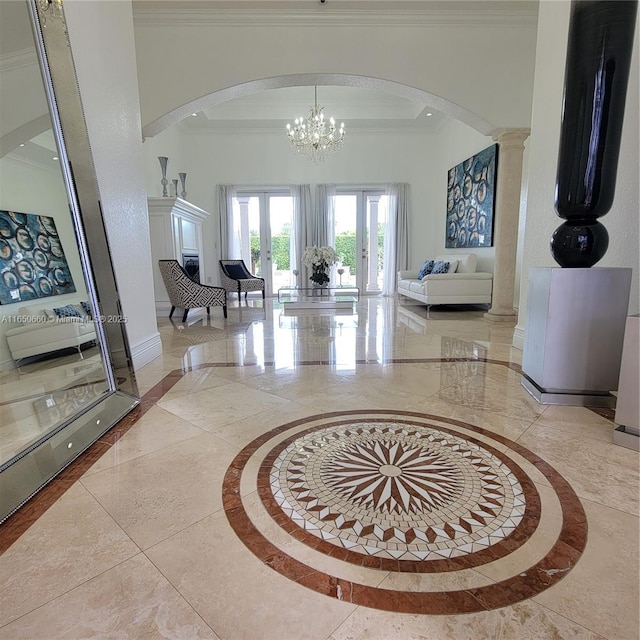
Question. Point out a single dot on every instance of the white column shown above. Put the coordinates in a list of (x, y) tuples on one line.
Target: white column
[(245, 239), (509, 186), (372, 280)]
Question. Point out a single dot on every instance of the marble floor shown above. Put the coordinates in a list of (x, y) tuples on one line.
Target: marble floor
[(378, 474), (38, 396)]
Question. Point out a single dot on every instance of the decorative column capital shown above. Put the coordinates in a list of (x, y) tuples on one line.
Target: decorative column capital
[(510, 137)]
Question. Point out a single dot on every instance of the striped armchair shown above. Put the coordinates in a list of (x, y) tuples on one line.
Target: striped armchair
[(236, 278), (187, 293)]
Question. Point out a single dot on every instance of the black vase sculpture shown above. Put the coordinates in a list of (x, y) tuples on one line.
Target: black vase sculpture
[(595, 88)]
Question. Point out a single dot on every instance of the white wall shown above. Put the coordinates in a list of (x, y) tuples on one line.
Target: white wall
[(484, 68), (368, 158), (101, 36), (541, 221), (17, 180)]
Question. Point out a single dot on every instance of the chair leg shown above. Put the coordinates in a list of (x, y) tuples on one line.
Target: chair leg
[(245, 295), (263, 294), (208, 311), (239, 295), (224, 310), (184, 317), (172, 310)]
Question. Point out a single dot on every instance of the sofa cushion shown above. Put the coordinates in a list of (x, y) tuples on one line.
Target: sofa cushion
[(440, 267), (68, 311), (467, 262), (426, 268), (34, 315), (453, 265)]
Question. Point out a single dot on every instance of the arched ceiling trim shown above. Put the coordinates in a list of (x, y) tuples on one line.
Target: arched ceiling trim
[(24, 133), (318, 79)]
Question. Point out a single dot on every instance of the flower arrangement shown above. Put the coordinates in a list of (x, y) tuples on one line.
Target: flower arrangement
[(319, 259)]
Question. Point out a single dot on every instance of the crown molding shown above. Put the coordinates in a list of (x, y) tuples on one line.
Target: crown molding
[(519, 13)]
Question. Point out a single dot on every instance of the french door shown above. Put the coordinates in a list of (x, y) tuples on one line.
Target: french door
[(360, 217), (266, 220)]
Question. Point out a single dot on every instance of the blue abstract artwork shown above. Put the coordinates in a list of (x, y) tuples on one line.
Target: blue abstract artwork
[(32, 261), (470, 200)]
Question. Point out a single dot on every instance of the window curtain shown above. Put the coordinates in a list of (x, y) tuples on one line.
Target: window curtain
[(324, 233), (229, 227), (396, 236), (301, 229)]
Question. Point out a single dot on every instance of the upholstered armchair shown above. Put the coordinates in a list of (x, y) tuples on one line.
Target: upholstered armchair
[(236, 278), (187, 293)]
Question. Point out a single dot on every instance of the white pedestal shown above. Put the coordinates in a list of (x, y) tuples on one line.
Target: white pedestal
[(628, 405), (574, 334)]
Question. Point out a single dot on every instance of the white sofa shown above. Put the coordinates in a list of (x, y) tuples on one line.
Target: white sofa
[(40, 332), (465, 285)]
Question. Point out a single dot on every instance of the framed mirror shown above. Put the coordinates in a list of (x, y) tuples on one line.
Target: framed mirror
[(65, 368)]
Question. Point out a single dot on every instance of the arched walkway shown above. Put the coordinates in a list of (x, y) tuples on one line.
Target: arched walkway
[(302, 79)]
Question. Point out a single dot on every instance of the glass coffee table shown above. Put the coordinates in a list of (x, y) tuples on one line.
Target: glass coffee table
[(340, 297)]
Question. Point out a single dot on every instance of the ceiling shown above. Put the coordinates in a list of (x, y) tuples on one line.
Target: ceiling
[(358, 108)]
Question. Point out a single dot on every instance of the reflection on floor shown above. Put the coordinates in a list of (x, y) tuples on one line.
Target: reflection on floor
[(42, 393), (378, 475)]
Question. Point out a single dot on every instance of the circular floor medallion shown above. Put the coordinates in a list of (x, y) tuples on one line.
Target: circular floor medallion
[(404, 492)]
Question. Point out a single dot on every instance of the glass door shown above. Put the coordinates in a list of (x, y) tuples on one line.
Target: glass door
[(360, 219), (266, 220)]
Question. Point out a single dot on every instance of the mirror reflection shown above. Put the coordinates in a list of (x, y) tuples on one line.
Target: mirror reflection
[(51, 366)]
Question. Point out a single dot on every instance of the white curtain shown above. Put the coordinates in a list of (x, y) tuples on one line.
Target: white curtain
[(325, 221), (324, 233), (301, 229), (396, 236), (229, 227)]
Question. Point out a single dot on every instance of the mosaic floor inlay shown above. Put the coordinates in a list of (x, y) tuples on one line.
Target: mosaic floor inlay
[(404, 493), (399, 491)]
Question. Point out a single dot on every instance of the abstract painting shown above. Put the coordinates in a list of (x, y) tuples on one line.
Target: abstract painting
[(32, 261), (470, 200)]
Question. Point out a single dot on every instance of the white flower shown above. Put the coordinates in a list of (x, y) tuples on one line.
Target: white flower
[(319, 256)]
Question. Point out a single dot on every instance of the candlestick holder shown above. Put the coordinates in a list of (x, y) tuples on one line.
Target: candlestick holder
[(163, 166), (183, 182)]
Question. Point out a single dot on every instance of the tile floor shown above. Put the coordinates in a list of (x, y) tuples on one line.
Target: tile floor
[(379, 475)]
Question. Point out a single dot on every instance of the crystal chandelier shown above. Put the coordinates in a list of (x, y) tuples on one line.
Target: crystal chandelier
[(316, 137)]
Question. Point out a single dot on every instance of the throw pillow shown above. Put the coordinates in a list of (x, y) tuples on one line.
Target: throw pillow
[(426, 269), (236, 271), (86, 307), (68, 311), (440, 267), (453, 265)]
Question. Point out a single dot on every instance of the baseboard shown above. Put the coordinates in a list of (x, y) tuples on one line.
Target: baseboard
[(146, 350), (518, 338)]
